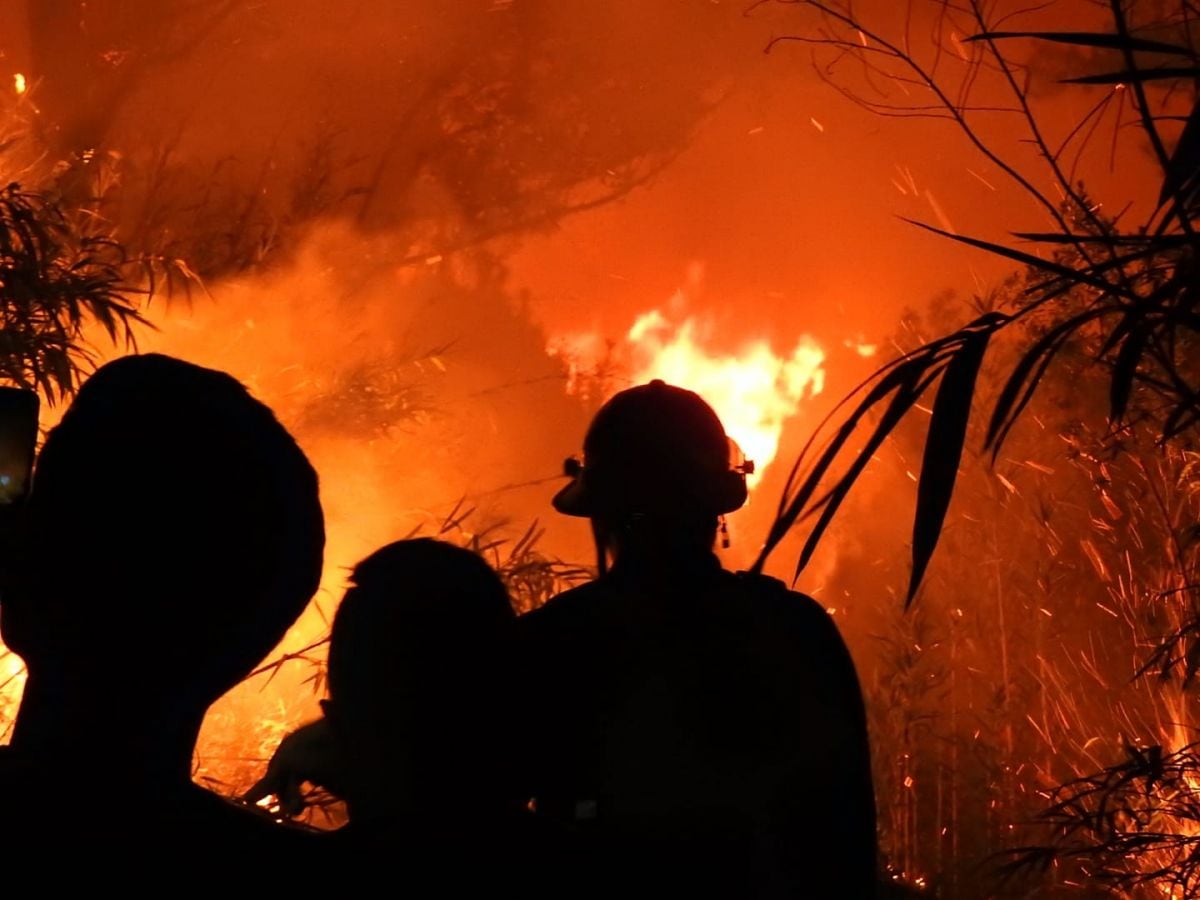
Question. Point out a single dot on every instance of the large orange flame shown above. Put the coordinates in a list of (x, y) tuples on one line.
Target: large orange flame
[(753, 388)]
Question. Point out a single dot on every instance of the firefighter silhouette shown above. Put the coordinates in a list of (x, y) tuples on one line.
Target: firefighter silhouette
[(703, 729)]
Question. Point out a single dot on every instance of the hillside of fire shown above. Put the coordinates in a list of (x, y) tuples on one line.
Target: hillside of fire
[(931, 263)]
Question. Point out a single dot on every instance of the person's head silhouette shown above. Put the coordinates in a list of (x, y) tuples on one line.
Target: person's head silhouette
[(173, 534), (658, 472), (416, 685)]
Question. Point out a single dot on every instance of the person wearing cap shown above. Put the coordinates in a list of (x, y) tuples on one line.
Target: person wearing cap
[(703, 729)]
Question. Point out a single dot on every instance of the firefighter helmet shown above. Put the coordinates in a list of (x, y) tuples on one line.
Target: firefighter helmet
[(657, 450)]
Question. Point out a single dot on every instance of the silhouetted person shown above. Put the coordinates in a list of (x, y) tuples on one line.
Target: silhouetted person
[(705, 728), (172, 536), (416, 735), (417, 681)]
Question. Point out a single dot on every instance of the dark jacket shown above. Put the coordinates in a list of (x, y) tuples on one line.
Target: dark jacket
[(709, 732)]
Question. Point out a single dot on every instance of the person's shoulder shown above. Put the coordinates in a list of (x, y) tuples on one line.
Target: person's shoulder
[(783, 611), (571, 605), (773, 595)]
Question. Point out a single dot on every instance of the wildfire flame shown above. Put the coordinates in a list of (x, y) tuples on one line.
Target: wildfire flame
[(19, 83), (753, 389)]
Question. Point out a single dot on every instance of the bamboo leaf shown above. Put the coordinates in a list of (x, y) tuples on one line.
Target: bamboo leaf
[(1106, 240), (1026, 375), (1184, 164), (1100, 40), (1079, 276), (888, 381), (1185, 414), (943, 452), (1128, 76), (1124, 370), (902, 401)]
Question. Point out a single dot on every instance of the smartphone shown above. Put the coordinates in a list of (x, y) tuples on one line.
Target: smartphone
[(18, 438)]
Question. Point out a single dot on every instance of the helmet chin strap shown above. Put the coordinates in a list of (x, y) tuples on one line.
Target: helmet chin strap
[(600, 535)]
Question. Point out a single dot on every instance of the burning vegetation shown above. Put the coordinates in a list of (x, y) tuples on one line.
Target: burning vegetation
[(384, 265)]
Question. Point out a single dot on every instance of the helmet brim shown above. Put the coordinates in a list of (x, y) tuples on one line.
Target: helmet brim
[(572, 500)]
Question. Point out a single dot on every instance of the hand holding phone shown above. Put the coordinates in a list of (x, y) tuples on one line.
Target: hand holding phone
[(18, 438)]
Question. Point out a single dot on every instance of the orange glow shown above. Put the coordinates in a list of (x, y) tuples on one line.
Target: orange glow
[(361, 280), (12, 683)]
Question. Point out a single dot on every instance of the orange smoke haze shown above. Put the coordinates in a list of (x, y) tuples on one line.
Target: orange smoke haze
[(435, 236)]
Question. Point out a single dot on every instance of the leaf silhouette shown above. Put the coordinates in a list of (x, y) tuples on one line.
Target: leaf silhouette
[(1183, 168), (943, 450), (1100, 40), (902, 401), (1125, 370), (1128, 76)]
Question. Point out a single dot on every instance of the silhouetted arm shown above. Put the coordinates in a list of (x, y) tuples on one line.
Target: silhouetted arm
[(308, 754), (827, 810)]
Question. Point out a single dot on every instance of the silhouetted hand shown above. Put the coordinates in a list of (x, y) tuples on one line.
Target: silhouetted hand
[(308, 754)]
